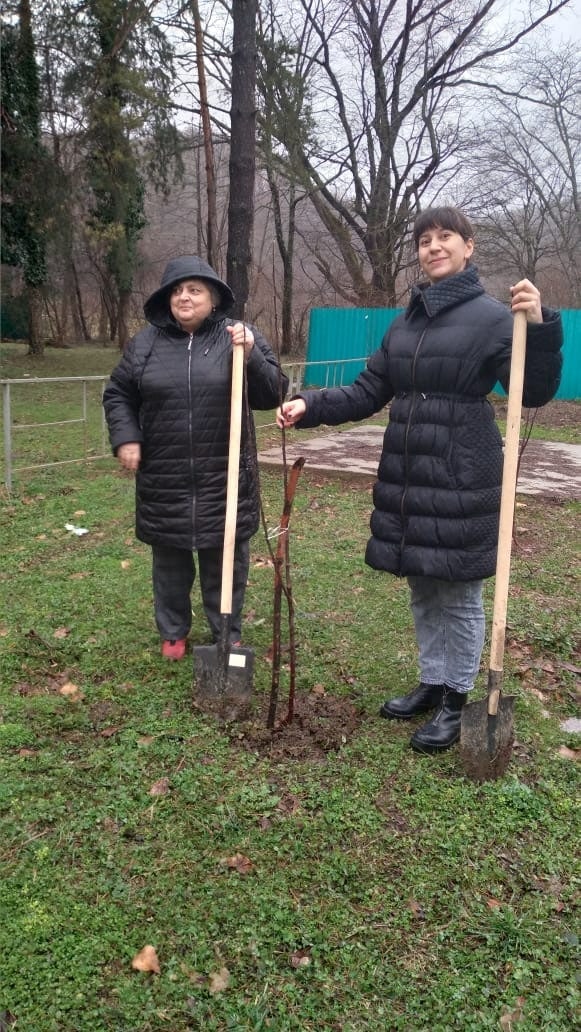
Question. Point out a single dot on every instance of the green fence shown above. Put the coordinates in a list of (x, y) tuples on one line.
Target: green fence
[(341, 340)]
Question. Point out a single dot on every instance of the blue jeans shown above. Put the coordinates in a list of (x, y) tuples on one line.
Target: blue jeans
[(450, 625)]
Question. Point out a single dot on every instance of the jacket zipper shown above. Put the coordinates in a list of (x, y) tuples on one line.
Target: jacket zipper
[(407, 430), (190, 430)]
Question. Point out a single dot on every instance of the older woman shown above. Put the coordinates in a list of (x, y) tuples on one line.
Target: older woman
[(167, 406)]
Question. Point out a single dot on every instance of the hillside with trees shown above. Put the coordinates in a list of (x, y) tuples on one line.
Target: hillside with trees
[(291, 144)]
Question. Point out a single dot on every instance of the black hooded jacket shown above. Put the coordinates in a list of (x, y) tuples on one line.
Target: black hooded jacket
[(171, 393), (437, 496)]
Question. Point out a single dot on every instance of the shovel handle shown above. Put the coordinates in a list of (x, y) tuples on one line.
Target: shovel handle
[(232, 481), (507, 497)]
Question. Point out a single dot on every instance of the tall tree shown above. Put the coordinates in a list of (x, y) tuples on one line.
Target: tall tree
[(389, 120), (122, 79), (526, 172), (212, 217), (242, 151), (27, 172), (284, 121)]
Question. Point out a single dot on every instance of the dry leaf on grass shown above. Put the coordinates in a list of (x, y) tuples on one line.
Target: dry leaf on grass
[(218, 981), (146, 960), (62, 632), (416, 909), (300, 958), (71, 691), (239, 863), (160, 787), (511, 1017), (493, 904), (125, 564), (569, 754)]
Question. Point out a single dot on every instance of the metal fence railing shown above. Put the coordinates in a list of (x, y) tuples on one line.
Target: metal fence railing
[(91, 420), (81, 408), (12, 428)]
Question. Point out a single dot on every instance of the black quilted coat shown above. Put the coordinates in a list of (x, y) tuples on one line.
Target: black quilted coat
[(437, 495), (171, 393)]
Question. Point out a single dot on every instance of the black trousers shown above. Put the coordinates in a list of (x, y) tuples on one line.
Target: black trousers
[(174, 573)]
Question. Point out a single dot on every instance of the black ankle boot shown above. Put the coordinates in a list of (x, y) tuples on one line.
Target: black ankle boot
[(444, 728), (423, 699)]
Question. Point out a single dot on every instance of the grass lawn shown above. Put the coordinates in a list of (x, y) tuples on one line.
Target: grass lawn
[(368, 888)]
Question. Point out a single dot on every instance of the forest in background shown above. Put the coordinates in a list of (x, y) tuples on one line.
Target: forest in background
[(289, 143)]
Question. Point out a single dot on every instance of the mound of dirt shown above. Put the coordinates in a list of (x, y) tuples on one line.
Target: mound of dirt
[(321, 724)]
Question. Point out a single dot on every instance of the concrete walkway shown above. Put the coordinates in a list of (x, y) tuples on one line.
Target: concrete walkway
[(548, 469)]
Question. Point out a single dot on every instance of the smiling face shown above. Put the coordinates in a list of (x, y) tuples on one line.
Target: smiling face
[(443, 252), (191, 302)]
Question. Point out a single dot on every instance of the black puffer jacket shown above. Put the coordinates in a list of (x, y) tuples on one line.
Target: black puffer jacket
[(171, 393), (437, 496)]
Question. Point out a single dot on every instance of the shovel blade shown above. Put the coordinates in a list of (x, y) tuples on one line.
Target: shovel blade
[(223, 684), (485, 741)]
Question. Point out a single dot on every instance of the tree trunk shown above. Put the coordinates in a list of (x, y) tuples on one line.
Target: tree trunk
[(35, 335), (242, 152), (212, 220), (122, 319)]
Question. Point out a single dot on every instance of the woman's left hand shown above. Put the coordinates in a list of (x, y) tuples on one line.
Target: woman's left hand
[(242, 335), (526, 298)]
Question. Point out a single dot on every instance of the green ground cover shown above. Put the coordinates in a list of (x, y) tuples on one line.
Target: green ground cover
[(372, 889)]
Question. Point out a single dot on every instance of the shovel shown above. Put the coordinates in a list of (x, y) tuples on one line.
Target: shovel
[(222, 672), (487, 729)]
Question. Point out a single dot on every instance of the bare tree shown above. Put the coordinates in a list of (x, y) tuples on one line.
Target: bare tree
[(384, 76), (526, 173)]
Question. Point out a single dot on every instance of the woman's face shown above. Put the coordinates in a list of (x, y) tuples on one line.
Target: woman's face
[(442, 252), (191, 303)]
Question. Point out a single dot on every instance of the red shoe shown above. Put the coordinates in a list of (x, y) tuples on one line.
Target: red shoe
[(174, 649)]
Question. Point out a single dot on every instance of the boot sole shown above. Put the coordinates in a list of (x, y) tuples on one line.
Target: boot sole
[(388, 715), (430, 750)]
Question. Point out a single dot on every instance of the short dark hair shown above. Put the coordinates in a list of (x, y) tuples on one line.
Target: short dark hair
[(443, 218)]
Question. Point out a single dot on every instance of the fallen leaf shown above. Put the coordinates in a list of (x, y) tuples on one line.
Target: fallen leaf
[(28, 752), (80, 512), (125, 564), (108, 732), (300, 958), (511, 1017), (71, 691), (417, 910), (218, 981), (569, 754), (239, 863), (288, 804), (146, 960), (62, 632), (145, 740), (160, 787), (41, 537), (493, 904)]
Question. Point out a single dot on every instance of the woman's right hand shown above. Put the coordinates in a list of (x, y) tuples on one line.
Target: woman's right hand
[(129, 455), (290, 412)]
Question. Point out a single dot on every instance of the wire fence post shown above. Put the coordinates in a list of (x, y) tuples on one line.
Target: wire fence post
[(7, 436)]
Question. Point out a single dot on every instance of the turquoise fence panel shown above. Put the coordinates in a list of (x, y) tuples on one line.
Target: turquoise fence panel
[(342, 339)]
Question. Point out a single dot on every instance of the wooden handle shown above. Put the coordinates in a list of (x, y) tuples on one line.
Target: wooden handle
[(232, 481), (509, 473)]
